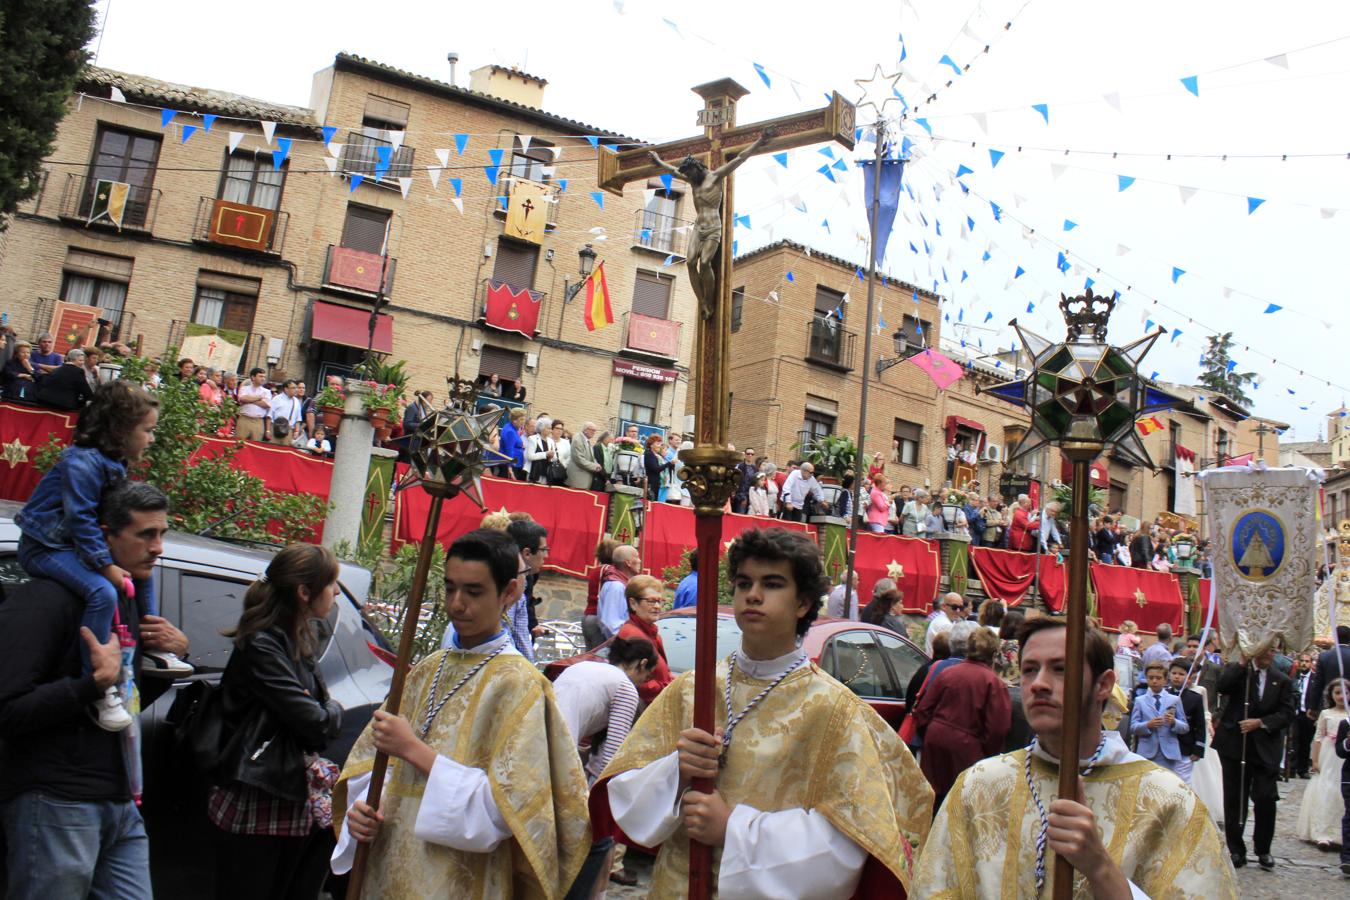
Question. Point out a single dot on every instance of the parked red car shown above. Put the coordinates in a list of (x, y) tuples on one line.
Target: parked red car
[(874, 662)]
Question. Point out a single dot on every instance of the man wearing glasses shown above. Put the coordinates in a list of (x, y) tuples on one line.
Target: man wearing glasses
[(745, 471), (952, 610)]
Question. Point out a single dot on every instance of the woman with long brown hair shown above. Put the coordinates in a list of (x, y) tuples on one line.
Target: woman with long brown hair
[(271, 803)]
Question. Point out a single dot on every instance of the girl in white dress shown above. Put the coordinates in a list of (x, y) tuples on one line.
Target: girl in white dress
[(1206, 776), (1319, 815)]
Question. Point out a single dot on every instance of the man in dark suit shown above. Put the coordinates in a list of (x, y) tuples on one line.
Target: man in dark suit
[(1192, 742), (66, 387), (1250, 743), (1206, 669), (1328, 670), (1304, 701)]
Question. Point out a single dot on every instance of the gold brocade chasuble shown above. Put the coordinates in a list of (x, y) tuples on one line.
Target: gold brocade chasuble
[(504, 721), (983, 843), (810, 744)]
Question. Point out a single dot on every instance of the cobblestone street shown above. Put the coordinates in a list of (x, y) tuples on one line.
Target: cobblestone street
[(1302, 871)]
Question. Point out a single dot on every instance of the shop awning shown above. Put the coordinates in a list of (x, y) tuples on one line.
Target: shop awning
[(954, 422), (350, 327)]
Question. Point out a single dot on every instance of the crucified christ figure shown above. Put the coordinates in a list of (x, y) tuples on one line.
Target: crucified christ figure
[(706, 244)]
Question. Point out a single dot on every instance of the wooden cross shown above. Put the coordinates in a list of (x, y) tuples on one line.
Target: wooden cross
[(721, 142), (709, 466)]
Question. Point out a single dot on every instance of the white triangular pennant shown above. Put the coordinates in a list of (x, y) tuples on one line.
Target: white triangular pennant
[(434, 173), (1186, 192), (1121, 249), (548, 171), (981, 120), (116, 96), (331, 164), (556, 150), (403, 184), (268, 128), (1113, 100), (459, 204), (443, 154), (1227, 293), (648, 194), (235, 138), (1280, 59), (524, 142), (1018, 200), (1327, 212), (335, 149), (396, 139), (1057, 170)]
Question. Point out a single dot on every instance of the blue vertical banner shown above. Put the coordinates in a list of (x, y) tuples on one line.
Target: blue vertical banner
[(892, 171)]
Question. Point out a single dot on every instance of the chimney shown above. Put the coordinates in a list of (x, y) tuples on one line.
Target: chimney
[(508, 84), (452, 57)]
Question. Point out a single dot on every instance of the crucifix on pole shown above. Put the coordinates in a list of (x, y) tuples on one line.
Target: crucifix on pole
[(707, 163)]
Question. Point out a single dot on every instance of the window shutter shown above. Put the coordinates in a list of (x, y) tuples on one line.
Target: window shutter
[(231, 284), (365, 229), (641, 393), (651, 295), (908, 431), (827, 301), (390, 111), (515, 264), (500, 362), (98, 265)]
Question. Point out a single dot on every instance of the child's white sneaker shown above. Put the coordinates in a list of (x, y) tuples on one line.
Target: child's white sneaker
[(163, 664), (110, 714)]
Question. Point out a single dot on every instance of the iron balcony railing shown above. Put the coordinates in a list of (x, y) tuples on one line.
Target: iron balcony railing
[(362, 156), (347, 269), (77, 202), (660, 232), (829, 343), (481, 299)]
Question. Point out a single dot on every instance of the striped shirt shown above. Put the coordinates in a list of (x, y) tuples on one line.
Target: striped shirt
[(595, 696)]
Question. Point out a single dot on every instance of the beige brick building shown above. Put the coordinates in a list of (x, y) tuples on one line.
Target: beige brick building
[(288, 261)]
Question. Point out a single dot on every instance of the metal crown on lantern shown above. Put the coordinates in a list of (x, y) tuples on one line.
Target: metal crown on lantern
[(1083, 392), (450, 444)]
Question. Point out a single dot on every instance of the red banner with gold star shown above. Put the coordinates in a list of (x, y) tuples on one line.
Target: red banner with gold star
[(1144, 596), (915, 564), (23, 432)]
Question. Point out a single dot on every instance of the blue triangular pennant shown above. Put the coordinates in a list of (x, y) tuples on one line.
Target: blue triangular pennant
[(491, 173), (1070, 225), (1044, 110), (599, 198), (970, 223), (1020, 272), (461, 142), (964, 275), (356, 179), (593, 140), (948, 61), (1253, 203), (1272, 308), (825, 170), (923, 123), (1192, 84), (764, 76), (1031, 307), (789, 277), (328, 132), (964, 170), (283, 150), (562, 185), (458, 185), (1087, 285), (165, 117), (1177, 273), (667, 181), (998, 212), (495, 154), (995, 157), (208, 119), (1124, 181), (188, 131), (504, 201), (1176, 333), (781, 158)]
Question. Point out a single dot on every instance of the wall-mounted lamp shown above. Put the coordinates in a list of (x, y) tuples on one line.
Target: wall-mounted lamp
[(586, 265)]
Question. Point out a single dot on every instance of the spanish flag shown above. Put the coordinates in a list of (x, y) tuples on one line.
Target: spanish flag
[(598, 311), (1149, 425)]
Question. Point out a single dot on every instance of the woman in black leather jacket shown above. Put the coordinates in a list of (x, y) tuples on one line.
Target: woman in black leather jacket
[(272, 801)]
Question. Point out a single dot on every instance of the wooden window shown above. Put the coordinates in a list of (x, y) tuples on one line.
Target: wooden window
[(251, 178), (505, 364), (816, 425), (515, 263), (225, 301), (529, 162), (737, 308), (659, 221), (828, 301), (917, 332), (639, 400), (908, 434), (365, 229), (651, 294), (126, 156)]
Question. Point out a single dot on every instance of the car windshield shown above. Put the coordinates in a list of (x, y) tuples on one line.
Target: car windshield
[(677, 634)]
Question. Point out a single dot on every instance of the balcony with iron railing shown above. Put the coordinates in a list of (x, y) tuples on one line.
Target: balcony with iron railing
[(652, 336), (365, 155), (480, 303), (357, 272), (660, 233), (231, 224), (830, 344), (114, 325), (77, 202), (224, 354)]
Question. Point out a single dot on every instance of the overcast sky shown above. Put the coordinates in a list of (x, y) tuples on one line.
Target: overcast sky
[(627, 67)]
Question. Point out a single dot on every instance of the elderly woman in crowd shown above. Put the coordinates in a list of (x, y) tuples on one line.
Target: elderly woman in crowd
[(18, 378), (646, 595), (914, 514), (210, 390), (963, 715)]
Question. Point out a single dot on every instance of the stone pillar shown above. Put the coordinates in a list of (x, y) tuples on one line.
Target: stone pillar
[(351, 469), (622, 524)]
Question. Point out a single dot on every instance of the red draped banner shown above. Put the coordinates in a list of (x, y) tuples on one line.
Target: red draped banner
[(1205, 585), (914, 563), (668, 530), (23, 431), (1145, 596), (1007, 575), (282, 469), (575, 519)]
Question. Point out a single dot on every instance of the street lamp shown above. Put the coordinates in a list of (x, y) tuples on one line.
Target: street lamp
[(901, 352), (586, 265), (1084, 397)]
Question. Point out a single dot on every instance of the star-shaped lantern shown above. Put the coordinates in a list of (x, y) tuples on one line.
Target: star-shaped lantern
[(879, 92), (1084, 392), (450, 449)]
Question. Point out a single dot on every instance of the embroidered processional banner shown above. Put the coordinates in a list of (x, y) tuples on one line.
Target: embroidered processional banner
[(1265, 531)]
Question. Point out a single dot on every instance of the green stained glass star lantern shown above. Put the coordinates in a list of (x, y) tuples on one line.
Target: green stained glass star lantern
[(452, 447), (1084, 394)]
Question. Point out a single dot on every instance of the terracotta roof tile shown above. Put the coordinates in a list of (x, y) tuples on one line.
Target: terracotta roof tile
[(144, 89)]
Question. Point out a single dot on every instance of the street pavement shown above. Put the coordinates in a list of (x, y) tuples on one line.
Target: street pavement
[(1301, 870)]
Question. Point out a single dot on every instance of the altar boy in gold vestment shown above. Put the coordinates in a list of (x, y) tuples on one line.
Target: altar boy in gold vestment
[(485, 797), (1136, 830), (816, 797)]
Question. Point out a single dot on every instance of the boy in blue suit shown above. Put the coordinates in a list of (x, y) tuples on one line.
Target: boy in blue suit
[(1157, 719)]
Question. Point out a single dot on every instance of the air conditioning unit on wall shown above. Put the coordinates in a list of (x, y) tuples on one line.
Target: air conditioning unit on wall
[(992, 453)]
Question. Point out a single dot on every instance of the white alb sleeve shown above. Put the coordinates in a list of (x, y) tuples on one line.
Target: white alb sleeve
[(793, 853), (646, 802), (458, 811), (345, 851)]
